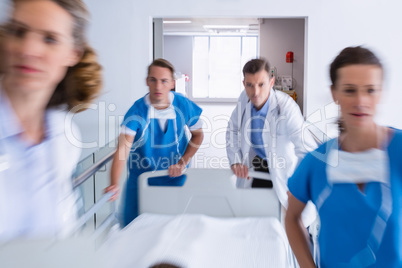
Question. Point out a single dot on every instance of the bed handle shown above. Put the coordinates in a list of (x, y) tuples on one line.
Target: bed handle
[(251, 173), (259, 175)]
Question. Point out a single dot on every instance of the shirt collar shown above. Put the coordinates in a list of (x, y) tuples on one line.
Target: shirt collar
[(264, 109), (11, 126)]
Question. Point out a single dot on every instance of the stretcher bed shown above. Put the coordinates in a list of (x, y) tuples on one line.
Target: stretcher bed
[(207, 222)]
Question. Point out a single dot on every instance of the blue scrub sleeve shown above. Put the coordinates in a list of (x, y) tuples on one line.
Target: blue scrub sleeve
[(194, 114), (299, 183), (190, 110), (135, 118)]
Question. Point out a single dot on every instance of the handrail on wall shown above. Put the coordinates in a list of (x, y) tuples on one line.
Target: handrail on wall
[(108, 152), (83, 176)]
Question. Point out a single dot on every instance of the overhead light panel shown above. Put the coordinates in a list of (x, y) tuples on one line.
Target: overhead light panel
[(227, 29), (177, 21), (226, 26)]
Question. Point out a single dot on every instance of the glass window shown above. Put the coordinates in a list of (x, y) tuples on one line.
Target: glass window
[(218, 63), (200, 67)]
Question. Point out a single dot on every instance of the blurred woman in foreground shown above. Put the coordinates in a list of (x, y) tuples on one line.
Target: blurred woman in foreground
[(47, 69)]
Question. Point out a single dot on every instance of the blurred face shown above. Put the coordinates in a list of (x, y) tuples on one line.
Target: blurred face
[(358, 91), (38, 45), (258, 87), (160, 82)]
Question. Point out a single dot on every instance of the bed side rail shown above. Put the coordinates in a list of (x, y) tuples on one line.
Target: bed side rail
[(211, 192)]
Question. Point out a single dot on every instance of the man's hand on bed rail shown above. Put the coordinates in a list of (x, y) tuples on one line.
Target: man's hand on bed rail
[(115, 189), (176, 170), (240, 170)]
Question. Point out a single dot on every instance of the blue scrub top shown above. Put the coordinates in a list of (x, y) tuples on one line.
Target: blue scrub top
[(154, 148), (347, 215)]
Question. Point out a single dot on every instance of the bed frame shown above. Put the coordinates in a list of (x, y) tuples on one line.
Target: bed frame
[(211, 192)]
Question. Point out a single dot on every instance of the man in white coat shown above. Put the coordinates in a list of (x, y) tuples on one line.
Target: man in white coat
[(267, 127)]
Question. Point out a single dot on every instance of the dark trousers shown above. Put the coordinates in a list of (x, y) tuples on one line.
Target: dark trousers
[(261, 165)]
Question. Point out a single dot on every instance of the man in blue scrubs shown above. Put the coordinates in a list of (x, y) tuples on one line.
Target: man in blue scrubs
[(154, 131)]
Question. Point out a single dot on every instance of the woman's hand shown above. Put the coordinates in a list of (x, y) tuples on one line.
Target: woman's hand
[(115, 189)]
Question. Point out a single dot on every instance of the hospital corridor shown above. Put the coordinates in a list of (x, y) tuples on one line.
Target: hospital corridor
[(193, 134)]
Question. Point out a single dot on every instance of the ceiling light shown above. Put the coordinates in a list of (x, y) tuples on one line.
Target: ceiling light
[(226, 26), (177, 21)]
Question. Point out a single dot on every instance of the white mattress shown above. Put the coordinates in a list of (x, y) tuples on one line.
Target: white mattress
[(190, 240)]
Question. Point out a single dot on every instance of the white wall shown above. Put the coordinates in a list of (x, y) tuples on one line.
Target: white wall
[(277, 37), (110, 33), (212, 153), (179, 51)]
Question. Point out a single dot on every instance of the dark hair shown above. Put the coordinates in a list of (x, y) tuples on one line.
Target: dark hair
[(255, 66), (83, 81), (162, 63), (351, 56), (164, 265)]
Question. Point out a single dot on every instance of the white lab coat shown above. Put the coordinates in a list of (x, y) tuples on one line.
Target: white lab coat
[(286, 138), (36, 195)]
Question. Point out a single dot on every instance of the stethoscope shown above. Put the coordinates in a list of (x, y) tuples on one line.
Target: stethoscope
[(151, 115)]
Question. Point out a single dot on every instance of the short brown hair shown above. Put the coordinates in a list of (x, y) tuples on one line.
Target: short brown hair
[(162, 63), (255, 66)]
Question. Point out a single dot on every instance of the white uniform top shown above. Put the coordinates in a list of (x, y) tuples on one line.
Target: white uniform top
[(36, 196), (285, 137)]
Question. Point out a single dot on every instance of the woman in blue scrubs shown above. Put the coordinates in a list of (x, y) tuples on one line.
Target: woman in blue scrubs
[(354, 180), (154, 131), (47, 69)]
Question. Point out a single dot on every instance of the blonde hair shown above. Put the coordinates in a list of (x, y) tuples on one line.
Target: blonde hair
[(83, 81)]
